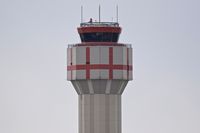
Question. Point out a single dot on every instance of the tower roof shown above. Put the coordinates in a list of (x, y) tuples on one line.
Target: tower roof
[(99, 24)]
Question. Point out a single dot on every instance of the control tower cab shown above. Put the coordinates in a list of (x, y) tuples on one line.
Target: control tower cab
[(99, 31)]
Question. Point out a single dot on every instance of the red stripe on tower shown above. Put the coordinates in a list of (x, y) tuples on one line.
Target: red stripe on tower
[(110, 62), (88, 63), (99, 66)]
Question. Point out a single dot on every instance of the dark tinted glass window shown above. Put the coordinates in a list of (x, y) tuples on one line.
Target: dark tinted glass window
[(99, 37)]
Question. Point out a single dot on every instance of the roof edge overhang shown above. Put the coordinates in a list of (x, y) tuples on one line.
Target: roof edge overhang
[(99, 29), (99, 44)]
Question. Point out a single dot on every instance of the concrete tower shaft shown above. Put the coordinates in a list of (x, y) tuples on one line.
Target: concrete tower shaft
[(99, 69)]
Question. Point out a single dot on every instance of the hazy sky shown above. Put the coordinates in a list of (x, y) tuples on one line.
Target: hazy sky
[(164, 96)]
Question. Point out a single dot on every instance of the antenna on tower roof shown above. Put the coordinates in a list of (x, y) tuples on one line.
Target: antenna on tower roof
[(81, 14), (99, 13), (117, 13)]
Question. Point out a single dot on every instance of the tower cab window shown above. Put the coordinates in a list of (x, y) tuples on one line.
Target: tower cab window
[(99, 37)]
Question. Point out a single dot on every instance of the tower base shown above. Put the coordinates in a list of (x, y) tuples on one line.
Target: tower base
[(99, 113)]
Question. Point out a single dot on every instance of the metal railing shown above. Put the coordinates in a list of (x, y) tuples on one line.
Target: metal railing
[(99, 24), (99, 44)]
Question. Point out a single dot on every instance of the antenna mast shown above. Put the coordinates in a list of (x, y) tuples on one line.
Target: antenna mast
[(117, 13), (99, 13), (81, 14)]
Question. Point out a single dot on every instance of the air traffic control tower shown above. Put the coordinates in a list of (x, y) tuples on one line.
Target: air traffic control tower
[(99, 68)]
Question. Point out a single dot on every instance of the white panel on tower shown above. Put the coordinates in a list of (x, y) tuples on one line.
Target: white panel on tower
[(117, 74), (104, 54), (69, 56), (130, 56), (73, 75), (94, 74), (74, 56), (80, 55), (80, 74), (130, 75), (94, 55), (69, 75), (104, 74), (124, 74), (117, 55), (124, 49)]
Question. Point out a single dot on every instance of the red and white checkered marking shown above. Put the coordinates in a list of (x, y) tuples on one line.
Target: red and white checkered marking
[(89, 62)]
